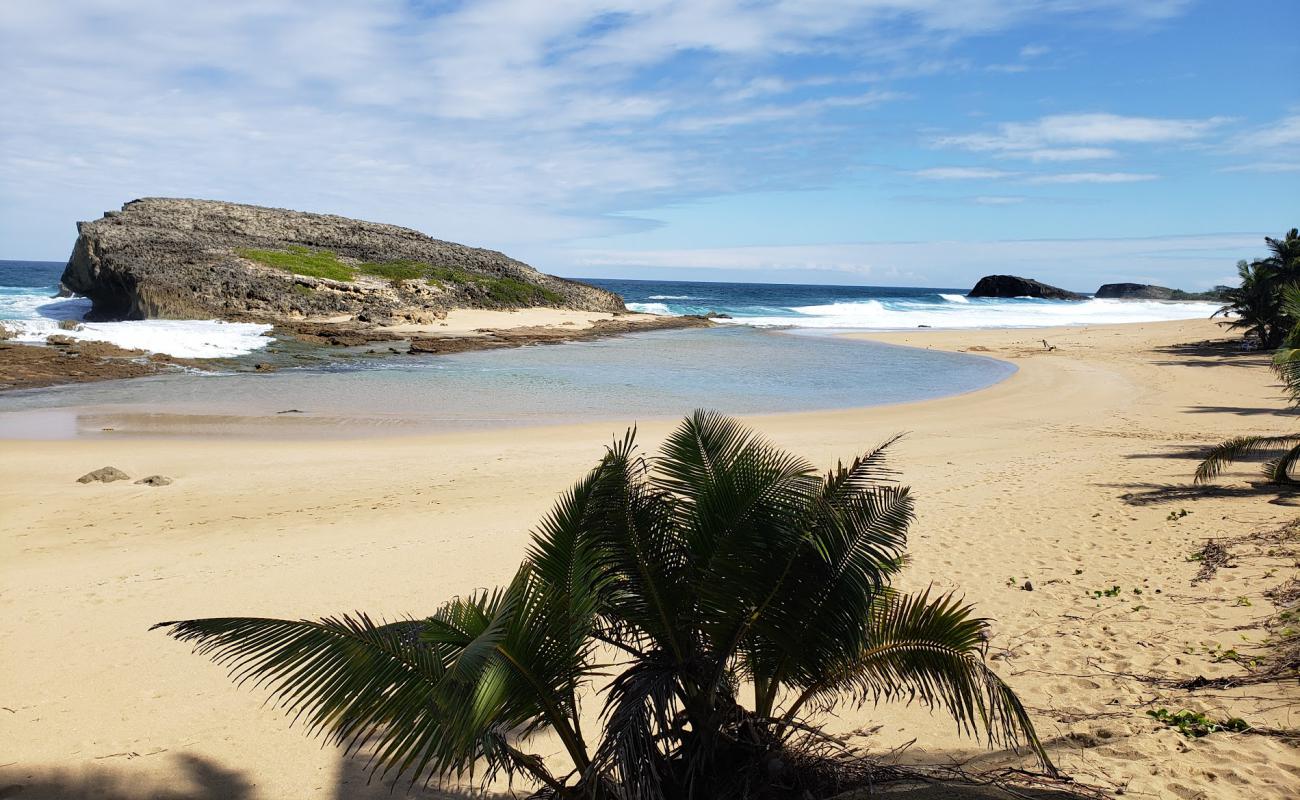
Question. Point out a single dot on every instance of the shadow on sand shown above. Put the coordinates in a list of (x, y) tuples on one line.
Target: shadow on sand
[(1150, 494), (201, 779), (1212, 353)]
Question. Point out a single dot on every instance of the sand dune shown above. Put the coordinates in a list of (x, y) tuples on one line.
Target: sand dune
[(1064, 476)]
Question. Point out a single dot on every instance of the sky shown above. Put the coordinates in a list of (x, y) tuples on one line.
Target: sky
[(878, 142)]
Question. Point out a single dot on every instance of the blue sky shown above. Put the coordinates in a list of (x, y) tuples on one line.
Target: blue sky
[(894, 142)]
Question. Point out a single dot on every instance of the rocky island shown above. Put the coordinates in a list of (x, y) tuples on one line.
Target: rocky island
[(201, 259), (319, 279)]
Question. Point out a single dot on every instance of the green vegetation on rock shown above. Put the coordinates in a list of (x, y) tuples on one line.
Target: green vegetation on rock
[(302, 260), (395, 270)]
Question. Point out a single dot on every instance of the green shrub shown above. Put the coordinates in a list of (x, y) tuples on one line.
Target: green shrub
[(303, 261), (401, 270), (517, 292)]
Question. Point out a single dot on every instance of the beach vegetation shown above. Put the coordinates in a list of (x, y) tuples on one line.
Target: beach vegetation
[(717, 599), (500, 290), (396, 271), (1258, 306), (1194, 724), (1281, 453), (302, 260)]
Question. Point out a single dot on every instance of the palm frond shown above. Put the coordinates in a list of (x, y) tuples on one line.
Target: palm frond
[(929, 651), (351, 680), (1238, 448)]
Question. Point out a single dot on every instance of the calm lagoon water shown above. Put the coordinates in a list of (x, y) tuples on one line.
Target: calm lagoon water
[(737, 370)]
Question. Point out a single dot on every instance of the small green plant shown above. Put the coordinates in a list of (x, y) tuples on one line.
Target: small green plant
[(1242, 601), (1174, 516), (303, 261), (402, 270), (1111, 592), (1194, 725)]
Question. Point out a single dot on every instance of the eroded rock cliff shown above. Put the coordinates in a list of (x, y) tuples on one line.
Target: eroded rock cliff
[(199, 259)]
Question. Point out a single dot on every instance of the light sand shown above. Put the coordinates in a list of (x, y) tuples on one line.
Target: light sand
[(1022, 481), (472, 321)]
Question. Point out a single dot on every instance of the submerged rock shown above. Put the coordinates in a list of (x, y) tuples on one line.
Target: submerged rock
[(203, 259), (1135, 291), (1013, 286), (104, 475)]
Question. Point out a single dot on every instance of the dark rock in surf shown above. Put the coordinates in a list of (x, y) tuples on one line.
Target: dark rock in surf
[(1135, 291), (1013, 286)]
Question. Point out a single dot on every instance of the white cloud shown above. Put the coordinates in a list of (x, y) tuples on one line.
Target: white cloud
[(1094, 177), (1285, 133), (496, 122), (1265, 167), (962, 174), (1076, 137)]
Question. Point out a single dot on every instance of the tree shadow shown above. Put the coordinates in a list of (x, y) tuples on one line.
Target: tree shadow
[(202, 780), (1245, 411), (1150, 494), (1211, 353)]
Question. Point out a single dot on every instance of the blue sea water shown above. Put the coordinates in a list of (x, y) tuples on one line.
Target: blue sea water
[(745, 367)]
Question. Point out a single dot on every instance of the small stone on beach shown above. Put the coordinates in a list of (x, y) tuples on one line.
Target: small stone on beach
[(104, 475), (155, 480)]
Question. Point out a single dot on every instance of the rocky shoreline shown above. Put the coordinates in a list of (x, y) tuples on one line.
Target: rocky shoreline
[(68, 361)]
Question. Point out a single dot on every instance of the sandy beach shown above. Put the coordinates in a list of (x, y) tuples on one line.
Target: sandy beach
[(1072, 476)]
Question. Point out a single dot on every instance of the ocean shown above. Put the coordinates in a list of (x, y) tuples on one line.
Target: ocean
[(26, 289), (772, 355)]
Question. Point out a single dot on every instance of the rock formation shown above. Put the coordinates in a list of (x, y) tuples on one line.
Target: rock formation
[(104, 475), (203, 259), (1012, 286), (1135, 291)]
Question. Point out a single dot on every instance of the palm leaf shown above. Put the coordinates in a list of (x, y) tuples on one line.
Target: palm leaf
[(355, 682), (928, 651), (1238, 448)]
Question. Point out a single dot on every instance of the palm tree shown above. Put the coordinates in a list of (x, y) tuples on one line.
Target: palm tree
[(1258, 304), (1285, 450), (723, 570)]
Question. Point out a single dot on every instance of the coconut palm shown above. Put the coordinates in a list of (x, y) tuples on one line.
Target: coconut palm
[(1284, 450), (1257, 305), (730, 592)]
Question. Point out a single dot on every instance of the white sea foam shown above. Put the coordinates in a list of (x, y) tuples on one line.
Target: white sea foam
[(33, 317), (651, 308), (955, 298), (671, 297), (897, 315)]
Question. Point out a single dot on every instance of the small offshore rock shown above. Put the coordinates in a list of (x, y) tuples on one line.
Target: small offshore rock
[(59, 340), (1015, 286), (155, 480), (70, 325), (104, 475)]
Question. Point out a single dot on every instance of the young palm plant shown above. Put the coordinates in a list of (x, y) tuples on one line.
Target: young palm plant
[(722, 570), (1285, 450)]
